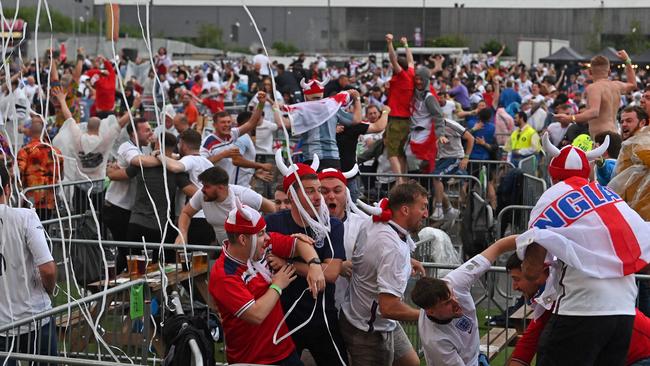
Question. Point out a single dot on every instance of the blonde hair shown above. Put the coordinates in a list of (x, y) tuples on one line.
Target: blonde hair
[(600, 64)]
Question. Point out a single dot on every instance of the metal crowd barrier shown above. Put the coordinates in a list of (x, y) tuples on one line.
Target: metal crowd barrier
[(513, 220), (529, 165), (533, 188), (74, 195), (494, 168)]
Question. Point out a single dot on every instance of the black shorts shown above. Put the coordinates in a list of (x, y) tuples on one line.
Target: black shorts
[(585, 340)]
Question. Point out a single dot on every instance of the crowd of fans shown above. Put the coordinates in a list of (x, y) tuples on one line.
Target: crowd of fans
[(196, 148)]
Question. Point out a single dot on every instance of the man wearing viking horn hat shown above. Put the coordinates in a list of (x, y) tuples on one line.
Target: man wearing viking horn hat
[(309, 215), (593, 243), (247, 294)]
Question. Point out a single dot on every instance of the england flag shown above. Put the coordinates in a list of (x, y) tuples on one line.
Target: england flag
[(309, 115), (589, 227)]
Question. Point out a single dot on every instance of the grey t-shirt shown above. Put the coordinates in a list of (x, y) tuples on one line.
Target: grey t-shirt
[(144, 211), (454, 148)]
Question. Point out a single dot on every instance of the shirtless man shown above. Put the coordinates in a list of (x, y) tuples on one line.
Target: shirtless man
[(603, 96)]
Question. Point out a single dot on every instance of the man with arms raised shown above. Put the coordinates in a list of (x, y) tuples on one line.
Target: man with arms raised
[(381, 267), (447, 325), (603, 96)]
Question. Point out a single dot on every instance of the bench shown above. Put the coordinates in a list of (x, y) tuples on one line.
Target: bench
[(523, 316), (496, 340)]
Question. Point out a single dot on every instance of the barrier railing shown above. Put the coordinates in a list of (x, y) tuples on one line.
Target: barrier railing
[(513, 220), (533, 188), (494, 169), (74, 194), (529, 165)]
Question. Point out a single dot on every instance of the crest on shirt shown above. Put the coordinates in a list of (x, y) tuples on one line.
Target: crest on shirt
[(464, 324), (319, 242)]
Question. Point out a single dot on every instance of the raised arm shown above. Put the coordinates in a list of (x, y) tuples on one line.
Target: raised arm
[(380, 124), (499, 247), (126, 117), (356, 113), (76, 74), (409, 54), (256, 117), (630, 84), (60, 95), (392, 56)]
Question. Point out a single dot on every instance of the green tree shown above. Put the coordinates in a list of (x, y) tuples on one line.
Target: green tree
[(494, 46), (284, 49), (452, 40), (209, 36), (635, 41)]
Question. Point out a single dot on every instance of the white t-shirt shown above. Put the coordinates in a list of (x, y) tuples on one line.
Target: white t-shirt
[(194, 165), (556, 132), (242, 176), (121, 193), (86, 154), (535, 99), (264, 63), (216, 213), (264, 136), (22, 249), (160, 129), (353, 225), (381, 263), (448, 109), (581, 295), (213, 145), (457, 342), (524, 88)]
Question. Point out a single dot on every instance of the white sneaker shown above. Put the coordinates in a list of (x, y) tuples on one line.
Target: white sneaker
[(451, 214), (438, 213)]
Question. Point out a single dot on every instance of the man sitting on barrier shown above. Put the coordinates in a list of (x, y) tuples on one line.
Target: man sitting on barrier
[(247, 294), (27, 279), (592, 242), (638, 353), (447, 324)]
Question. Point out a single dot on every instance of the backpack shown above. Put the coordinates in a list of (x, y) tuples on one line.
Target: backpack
[(477, 225), (87, 261), (177, 332), (510, 192)]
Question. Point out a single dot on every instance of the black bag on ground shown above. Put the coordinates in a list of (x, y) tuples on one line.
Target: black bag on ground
[(177, 337), (87, 261)]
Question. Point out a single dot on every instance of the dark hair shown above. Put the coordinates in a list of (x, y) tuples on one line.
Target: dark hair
[(640, 112), (375, 89), (523, 116), (513, 262), (401, 60), (136, 122), (4, 179), (220, 114), (191, 138), (243, 117), (373, 106), (615, 141), (429, 291), (405, 194), (484, 115), (215, 176), (304, 178), (170, 140), (210, 77)]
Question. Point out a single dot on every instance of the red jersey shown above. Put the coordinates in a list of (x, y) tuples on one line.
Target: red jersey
[(639, 343), (214, 104), (235, 287), (400, 93), (104, 87)]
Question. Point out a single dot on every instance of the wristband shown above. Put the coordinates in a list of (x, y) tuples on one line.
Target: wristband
[(314, 260), (260, 106), (466, 156), (384, 112), (628, 61), (276, 288)]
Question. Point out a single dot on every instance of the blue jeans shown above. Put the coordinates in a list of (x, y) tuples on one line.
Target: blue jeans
[(644, 362), (353, 186), (46, 343)]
